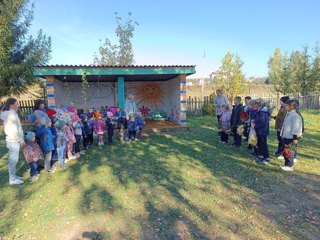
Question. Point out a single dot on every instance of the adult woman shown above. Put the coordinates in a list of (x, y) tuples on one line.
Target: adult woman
[(130, 106), (39, 109), (14, 137), (219, 101)]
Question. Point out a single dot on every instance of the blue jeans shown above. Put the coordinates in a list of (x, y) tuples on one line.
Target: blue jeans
[(14, 149), (33, 169), (61, 151)]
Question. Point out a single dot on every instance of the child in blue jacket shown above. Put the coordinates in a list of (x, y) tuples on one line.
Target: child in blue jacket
[(46, 141), (261, 125), (132, 128)]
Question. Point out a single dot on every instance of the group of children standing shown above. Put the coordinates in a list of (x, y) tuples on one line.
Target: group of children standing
[(252, 122), (64, 134)]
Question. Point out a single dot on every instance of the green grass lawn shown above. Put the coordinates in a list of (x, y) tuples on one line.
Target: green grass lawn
[(180, 186)]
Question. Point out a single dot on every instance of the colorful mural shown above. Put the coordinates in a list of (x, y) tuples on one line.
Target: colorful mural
[(144, 111), (150, 94)]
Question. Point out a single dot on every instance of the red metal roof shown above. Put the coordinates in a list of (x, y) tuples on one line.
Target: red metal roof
[(114, 66)]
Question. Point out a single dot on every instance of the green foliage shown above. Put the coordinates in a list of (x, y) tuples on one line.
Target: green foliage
[(277, 65), (19, 52), (84, 87), (300, 73), (208, 108), (230, 77), (121, 53)]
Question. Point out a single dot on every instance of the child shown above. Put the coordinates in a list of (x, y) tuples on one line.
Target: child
[(225, 123), (253, 109), (235, 120), (34, 123), (71, 139), (85, 139), (261, 125), (118, 114), (99, 126), (32, 153), (278, 124), (77, 127), (110, 127), (54, 135), (141, 124), (45, 137), (132, 128), (291, 132), (89, 131), (61, 142), (247, 109), (122, 125)]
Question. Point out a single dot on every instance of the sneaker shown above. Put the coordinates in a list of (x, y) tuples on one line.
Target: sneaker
[(18, 177), (286, 168), (259, 159), (34, 178), (280, 157), (266, 161), (295, 160), (52, 170), (82, 153), (136, 139), (16, 182), (223, 142)]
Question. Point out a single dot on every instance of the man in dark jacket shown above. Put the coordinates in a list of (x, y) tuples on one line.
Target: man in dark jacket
[(261, 125), (235, 121)]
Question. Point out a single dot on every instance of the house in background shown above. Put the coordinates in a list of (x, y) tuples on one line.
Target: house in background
[(153, 87)]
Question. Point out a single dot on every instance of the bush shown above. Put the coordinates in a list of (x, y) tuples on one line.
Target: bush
[(208, 107)]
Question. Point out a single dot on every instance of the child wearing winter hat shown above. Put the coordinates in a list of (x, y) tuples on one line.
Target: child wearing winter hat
[(61, 142), (77, 127), (122, 125), (70, 137), (99, 126), (34, 123), (32, 153), (110, 127), (45, 137), (141, 124)]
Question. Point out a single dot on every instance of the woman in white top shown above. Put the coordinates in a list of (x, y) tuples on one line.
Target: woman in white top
[(219, 101), (130, 106), (14, 137)]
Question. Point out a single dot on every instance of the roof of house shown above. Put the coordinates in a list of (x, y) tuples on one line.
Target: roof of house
[(107, 73)]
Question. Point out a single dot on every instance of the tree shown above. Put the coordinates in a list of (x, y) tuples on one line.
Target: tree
[(230, 77), (121, 53), (304, 81), (277, 66), (19, 52), (315, 68)]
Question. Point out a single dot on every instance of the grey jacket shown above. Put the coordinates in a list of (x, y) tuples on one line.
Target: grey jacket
[(292, 125)]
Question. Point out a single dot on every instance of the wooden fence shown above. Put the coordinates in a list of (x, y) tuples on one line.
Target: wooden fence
[(26, 108), (197, 105)]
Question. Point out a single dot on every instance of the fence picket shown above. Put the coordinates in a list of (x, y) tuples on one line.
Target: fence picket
[(195, 105)]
